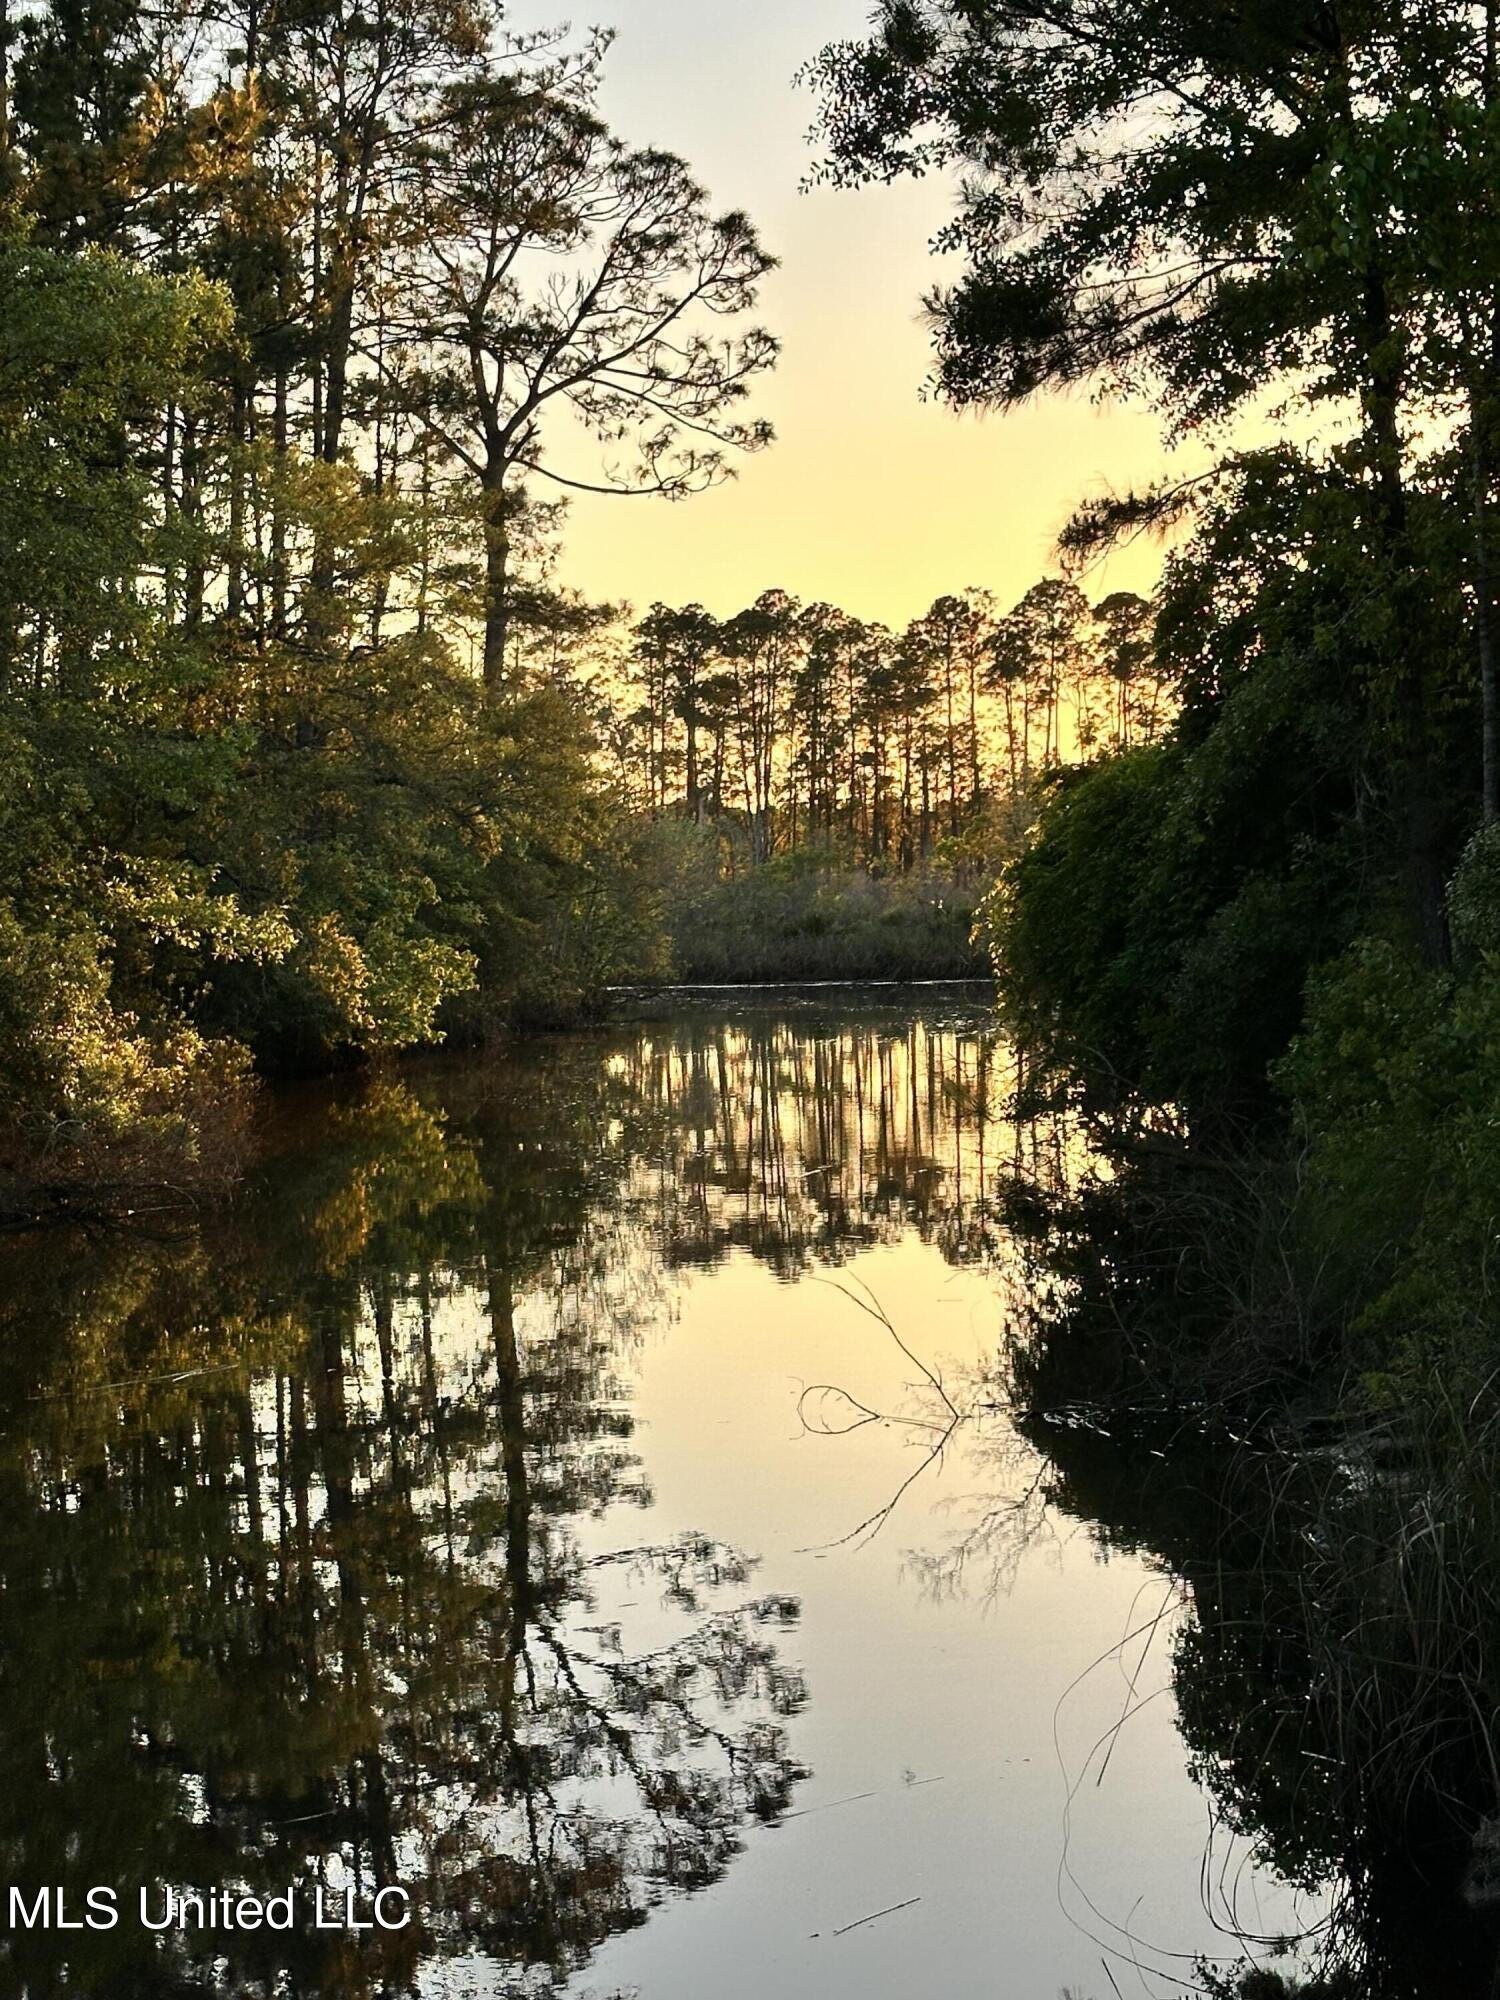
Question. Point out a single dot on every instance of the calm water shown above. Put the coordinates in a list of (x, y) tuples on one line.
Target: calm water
[(576, 1487)]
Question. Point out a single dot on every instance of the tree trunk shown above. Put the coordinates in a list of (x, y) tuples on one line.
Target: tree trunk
[(195, 581), (952, 739), (1383, 359), (1484, 618), (496, 585), (690, 725), (1424, 860), (976, 775), (4, 82), (280, 441), (906, 840), (240, 428)]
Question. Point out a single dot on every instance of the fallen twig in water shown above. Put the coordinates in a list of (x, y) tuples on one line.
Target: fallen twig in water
[(888, 1911), (880, 1791)]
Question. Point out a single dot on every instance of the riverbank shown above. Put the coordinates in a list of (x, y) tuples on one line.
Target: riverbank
[(1305, 1302), (191, 1151)]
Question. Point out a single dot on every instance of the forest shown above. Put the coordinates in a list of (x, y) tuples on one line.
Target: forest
[(317, 316), (313, 315), (833, 799), (291, 301)]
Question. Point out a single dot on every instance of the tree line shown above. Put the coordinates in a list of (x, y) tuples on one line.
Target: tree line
[(313, 314), (808, 726)]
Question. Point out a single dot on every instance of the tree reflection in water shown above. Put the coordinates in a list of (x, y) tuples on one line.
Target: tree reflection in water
[(1262, 1713), (1312, 1716), (305, 1569)]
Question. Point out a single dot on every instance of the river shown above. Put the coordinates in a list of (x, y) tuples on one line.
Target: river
[(577, 1486)]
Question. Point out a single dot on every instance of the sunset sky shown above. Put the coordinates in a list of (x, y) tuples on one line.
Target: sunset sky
[(870, 497)]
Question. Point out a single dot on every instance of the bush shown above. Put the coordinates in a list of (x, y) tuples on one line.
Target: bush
[(95, 1110), (1082, 942), (1395, 1088), (1474, 900)]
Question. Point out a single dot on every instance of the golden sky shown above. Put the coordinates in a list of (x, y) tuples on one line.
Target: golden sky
[(870, 497)]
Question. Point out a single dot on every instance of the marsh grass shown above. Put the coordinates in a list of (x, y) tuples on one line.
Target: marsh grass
[(794, 919)]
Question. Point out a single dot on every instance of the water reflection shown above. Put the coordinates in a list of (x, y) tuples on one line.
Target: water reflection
[(1315, 1718), (313, 1552), (329, 1551), (803, 1140)]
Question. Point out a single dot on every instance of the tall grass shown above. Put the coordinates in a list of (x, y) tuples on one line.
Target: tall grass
[(790, 920)]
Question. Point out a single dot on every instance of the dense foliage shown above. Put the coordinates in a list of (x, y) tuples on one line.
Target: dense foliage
[(298, 307)]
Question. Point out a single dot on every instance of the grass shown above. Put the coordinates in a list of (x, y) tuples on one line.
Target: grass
[(790, 921)]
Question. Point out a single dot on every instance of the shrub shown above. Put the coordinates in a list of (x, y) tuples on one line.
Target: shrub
[(94, 1107)]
